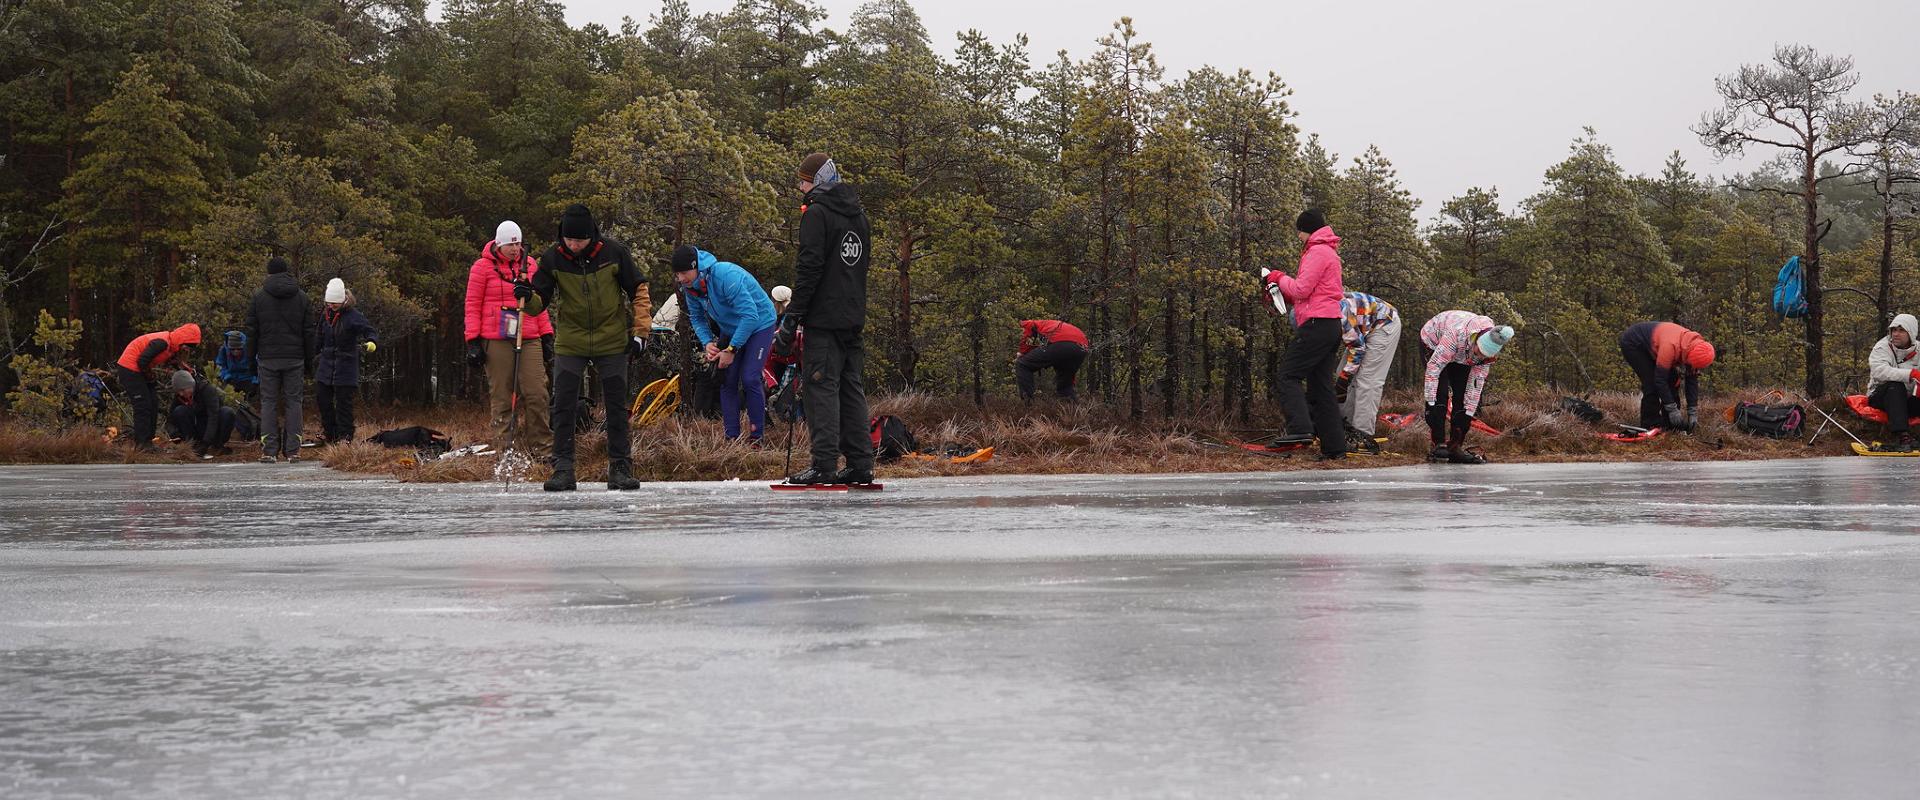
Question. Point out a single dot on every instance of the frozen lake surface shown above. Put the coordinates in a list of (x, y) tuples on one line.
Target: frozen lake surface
[(1518, 631)]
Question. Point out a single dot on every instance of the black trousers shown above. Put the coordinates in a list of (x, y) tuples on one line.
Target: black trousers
[(836, 399), (1640, 360), (146, 406), (1312, 357), (336, 411), (1892, 398), (1453, 390), (1064, 358), (184, 422), (567, 372)]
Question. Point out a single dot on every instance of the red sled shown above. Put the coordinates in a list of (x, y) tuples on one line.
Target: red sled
[(1858, 404), (827, 487), (1398, 421), (1632, 438)]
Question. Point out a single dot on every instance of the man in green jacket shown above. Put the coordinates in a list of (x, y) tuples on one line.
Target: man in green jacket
[(588, 282)]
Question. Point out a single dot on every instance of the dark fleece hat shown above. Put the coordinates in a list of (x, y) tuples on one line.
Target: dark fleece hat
[(1311, 220), (811, 165), (276, 265), (685, 258), (577, 223)]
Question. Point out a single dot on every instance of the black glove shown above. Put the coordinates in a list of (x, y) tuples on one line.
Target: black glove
[(1340, 386), (783, 338), (522, 291), (476, 355), (546, 347), (637, 346), (1675, 419)]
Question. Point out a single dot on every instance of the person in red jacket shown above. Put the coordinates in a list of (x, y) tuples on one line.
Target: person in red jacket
[(1315, 352), (1049, 343), (148, 355), (1664, 355), (492, 318)]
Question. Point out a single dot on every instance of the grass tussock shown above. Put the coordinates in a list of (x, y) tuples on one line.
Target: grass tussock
[(1047, 438)]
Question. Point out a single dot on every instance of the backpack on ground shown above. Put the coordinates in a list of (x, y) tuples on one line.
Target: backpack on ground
[(426, 440), (1773, 421), (1789, 291), (891, 439), (1580, 409)]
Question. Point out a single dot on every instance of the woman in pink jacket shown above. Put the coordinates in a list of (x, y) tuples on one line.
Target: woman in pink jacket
[(492, 317), (1314, 353)]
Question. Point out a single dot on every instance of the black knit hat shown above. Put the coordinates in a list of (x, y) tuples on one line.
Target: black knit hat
[(1311, 220), (577, 223), (685, 258), (276, 265)]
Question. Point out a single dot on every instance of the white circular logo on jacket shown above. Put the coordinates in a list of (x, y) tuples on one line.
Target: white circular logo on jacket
[(850, 248)]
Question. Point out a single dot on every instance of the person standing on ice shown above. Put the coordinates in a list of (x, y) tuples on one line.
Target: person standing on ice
[(494, 320), (830, 299), (1462, 347), (723, 297), (342, 336), (280, 333), (1370, 329), (590, 282), (1314, 352), (1893, 372), (1662, 354)]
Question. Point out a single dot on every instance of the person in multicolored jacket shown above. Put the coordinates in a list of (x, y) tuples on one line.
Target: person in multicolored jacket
[(1370, 329), (1462, 346)]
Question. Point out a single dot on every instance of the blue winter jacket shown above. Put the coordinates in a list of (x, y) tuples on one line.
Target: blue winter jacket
[(341, 336), (731, 300)]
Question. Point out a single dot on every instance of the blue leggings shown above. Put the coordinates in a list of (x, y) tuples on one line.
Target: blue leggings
[(742, 381)]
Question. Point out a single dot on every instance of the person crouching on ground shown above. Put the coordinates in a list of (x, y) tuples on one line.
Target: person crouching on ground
[(344, 335), (236, 365), (1049, 344), (1462, 346), (1370, 328), (494, 319), (1894, 370), (1314, 352), (1662, 355), (200, 415), (589, 281), (723, 297), (146, 355)]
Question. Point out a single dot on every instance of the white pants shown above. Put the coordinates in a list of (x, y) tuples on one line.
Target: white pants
[(1362, 408)]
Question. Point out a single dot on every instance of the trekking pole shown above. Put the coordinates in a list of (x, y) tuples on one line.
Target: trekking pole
[(513, 403), (793, 414), (1829, 417)]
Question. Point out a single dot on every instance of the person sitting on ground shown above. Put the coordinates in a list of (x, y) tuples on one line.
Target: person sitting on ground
[(1462, 347), (343, 335), (1370, 328), (236, 367), (146, 357), (723, 297), (1894, 373), (1662, 354), (200, 415), (1049, 344)]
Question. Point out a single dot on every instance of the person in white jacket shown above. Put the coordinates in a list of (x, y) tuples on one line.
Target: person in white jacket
[(1894, 371)]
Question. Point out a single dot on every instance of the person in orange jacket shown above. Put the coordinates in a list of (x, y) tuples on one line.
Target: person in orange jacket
[(1049, 343), (1663, 355), (148, 355)]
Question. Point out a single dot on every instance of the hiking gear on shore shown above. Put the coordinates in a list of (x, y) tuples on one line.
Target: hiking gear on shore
[(1878, 449), (1774, 421), (561, 481), (1789, 290)]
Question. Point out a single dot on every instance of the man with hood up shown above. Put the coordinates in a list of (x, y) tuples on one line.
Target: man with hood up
[(723, 297), (1663, 354), (589, 281), (280, 331), (830, 299), (1894, 371), (344, 334), (145, 357)]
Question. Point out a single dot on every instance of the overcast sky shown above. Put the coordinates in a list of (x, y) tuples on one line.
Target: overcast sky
[(1457, 94)]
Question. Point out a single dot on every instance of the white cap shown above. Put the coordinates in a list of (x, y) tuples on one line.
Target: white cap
[(336, 291), (782, 294), (507, 233)]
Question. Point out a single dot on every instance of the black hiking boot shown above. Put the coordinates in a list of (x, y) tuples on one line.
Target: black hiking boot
[(620, 478), (562, 481), (853, 476), (1465, 456), (1286, 439), (811, 476), (1440, 452)]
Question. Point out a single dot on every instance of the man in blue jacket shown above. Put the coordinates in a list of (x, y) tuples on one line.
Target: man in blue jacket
[(723, 297)]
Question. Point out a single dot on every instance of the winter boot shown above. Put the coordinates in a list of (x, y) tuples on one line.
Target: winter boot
[(562, 481), (1440, 452), (811, 476), (1457, 452), (853, 476), (620, 477), (1285, 439)]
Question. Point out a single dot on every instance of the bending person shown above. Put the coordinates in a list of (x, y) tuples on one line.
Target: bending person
[(1049, 344), (721, 296), (1662, 355), (1462, 347), (1370, 328)]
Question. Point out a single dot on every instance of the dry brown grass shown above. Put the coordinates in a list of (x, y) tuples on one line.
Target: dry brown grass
[(1045, 439)]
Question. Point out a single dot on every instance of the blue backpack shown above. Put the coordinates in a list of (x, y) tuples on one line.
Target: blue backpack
[(1789, 297)]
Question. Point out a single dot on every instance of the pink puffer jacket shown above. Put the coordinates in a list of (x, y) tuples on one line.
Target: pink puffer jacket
[(490, 289), (1317, 292)]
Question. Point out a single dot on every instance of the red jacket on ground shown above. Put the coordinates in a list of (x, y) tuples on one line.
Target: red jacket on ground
[(490, 289), (1050, 331)]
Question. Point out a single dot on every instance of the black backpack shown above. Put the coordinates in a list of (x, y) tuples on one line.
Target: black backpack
[(426, 440), (891, 439), (1771, 421)]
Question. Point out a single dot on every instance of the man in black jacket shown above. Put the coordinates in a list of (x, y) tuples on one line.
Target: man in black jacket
[(199, 415), (280, 332), (830, 299)]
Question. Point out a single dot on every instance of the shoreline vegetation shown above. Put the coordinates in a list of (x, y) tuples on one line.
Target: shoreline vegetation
[(1045, 439)]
